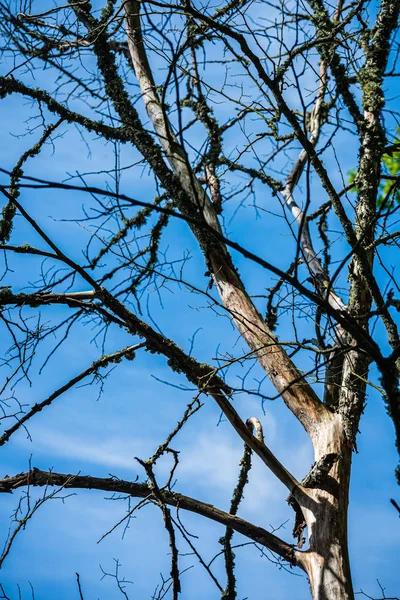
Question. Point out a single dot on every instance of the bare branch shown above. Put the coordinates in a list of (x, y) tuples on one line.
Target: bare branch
[(102, 362), (141, 490)]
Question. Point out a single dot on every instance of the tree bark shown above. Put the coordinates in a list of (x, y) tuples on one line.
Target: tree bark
[(325, 510)]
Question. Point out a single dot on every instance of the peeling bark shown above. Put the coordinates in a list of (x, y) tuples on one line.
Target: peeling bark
[(326, 560)]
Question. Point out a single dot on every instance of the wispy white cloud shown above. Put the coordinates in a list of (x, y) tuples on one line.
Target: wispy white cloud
[(210, 462), (113, 452)]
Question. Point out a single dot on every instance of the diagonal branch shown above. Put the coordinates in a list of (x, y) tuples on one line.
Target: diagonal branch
[(330, 56), (299, 397), (289, 114), (27, 249), (73, 299), (202, 375), (102, 362), (316, 120), (349, 324), (310, 257), (8, 212), (35, 477), (10, 85), (317, 272)]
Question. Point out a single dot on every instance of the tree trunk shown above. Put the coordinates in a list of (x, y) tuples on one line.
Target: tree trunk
[(327, 560)]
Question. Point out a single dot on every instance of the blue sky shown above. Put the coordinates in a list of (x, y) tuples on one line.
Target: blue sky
[(101, 436)]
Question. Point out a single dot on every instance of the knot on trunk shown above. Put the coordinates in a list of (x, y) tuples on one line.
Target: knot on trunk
[(319, 472)]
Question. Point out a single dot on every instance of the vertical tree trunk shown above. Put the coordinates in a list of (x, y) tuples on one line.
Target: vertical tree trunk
[(327, 560)]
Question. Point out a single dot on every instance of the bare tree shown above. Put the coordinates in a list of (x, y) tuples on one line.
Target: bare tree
[(217, 107)]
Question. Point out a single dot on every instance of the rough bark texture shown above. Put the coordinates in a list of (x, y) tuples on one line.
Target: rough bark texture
[(327, 561)]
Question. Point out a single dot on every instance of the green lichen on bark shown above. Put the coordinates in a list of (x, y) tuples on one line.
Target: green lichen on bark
[(6, 222), (373, 141), (326, 29)]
